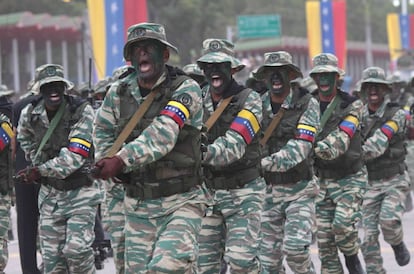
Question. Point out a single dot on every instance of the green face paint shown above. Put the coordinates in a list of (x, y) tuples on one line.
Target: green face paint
[(148, 59), (218, 76), (326, 83), (277, 80)]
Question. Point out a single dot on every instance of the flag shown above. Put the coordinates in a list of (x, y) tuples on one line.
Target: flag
[(400, 29), (109, 21), (326, 27)]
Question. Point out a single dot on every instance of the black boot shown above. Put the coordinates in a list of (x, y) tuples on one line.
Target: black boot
[(354, 265), (401, 253)]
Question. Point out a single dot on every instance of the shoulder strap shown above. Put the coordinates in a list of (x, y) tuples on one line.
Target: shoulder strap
[(216, 114), (328, 112), (272, 126), (52, 126), (126, 131)]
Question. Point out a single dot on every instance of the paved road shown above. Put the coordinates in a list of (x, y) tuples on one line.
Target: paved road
[(13, 267)]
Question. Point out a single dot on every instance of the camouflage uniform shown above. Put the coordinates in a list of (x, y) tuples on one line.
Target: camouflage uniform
[(6, 167), (231, 167), (68, 199), (384, 154), (165, 199), (289, 210), (342, 176)]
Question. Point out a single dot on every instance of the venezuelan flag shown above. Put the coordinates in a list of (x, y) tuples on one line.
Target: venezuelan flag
[(109, 21), (326, 27), (400, 28)]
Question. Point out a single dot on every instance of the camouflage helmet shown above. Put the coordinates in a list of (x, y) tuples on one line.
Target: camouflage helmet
[(325, 62), (143, 31), (122, 72), (374, 75), (396, 79), (50, 73), (102, 85), (277, 59), (219, 51), (193, 69), (5, 91)]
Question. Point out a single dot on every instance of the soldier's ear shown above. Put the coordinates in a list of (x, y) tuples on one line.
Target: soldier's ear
[(166, 55)]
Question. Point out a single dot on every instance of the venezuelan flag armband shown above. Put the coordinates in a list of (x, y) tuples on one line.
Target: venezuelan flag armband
[(6, 135), (177, 111), (246, 124), (389, 129), (305, 132), (79, 146), (349, 125)]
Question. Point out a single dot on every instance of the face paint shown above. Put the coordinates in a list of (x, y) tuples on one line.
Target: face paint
[(218, 75), (374, 93), (326, 82), (52, 93), (277, 80), (148, 59)]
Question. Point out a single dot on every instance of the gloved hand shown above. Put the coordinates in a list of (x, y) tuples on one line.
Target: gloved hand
[(29, 174), (109, 167)]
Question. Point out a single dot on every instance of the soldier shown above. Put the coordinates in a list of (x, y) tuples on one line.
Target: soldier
[(289, 210), (383, 129), (6, 167), (255, 84), (232, 114), (55, 132), (160, 161), (339, 167)]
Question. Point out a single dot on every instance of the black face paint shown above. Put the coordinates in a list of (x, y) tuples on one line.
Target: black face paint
[(52, 93), (148, 59), (277, 80), (218, 76)]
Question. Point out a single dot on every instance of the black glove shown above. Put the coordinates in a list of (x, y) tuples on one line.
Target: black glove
[(29, 174), (109, 167)]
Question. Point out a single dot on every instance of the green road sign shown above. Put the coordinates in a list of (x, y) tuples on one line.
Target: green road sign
[(258, 26)]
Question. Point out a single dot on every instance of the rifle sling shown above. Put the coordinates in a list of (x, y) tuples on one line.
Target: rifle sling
[(52, 126), (272, 126), (216, 114), (126, 131)]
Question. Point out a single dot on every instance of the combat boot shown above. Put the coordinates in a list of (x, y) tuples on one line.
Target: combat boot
[(353, 264), (401, 253)]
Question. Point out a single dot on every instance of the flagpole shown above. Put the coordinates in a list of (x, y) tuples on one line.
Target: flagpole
[(368, 36)]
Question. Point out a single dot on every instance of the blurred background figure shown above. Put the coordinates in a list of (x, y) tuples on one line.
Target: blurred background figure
[(196, 73), (257, 85)]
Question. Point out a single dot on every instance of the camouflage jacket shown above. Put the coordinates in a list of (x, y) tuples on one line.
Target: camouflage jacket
[(6, 166), (68, 159)]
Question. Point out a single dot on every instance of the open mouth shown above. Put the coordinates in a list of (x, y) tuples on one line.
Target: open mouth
[(277, 85), (144, 66), (216, 81), (324, 87), (54, 97)]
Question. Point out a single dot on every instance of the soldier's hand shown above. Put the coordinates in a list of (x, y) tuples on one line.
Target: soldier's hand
[(322, 150), (29, 174), (109, 167)]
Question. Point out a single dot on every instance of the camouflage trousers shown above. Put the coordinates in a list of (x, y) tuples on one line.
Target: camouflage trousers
[(231, 229), (338, 209), (5, 203), (383, 208), (165, 244), (287, 231), (114, 223), (66, 237)]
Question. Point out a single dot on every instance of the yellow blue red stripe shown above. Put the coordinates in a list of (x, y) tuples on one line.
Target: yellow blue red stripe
[(349, 125), (305, 132), (109, 21), (79, 146), (246, 124), (326, 27), (389, 129), (177, 111), (6, 134)]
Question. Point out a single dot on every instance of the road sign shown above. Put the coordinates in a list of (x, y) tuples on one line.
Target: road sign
[(258, 26)]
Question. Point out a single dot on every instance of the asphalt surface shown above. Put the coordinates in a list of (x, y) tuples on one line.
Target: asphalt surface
[(13, 266)]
